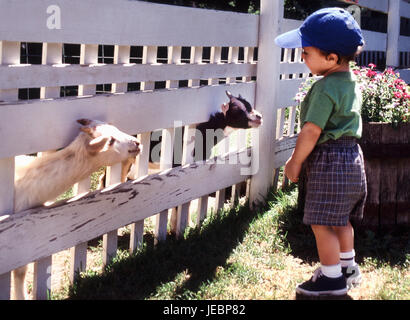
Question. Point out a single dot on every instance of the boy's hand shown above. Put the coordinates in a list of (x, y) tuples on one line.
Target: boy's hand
[(305, 143), (292, 170)]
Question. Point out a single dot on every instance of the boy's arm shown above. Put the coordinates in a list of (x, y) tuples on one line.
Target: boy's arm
[(305, 144)]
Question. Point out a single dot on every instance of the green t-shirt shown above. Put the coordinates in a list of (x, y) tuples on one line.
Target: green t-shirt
[(334, 103)]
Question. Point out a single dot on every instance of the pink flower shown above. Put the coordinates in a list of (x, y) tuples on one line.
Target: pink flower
[(371, 73), (397, 95), (372, 65), (389, 71)]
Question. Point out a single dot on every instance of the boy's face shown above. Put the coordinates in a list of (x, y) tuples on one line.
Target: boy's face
[(318, 63)]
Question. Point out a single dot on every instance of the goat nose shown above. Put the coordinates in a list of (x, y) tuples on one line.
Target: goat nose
[(138, 145)]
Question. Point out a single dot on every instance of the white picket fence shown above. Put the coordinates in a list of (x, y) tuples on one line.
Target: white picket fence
[(390, 47), (48, 123)]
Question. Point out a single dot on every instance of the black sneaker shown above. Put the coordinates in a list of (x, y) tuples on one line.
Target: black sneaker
[(352, 275), (319, 285)]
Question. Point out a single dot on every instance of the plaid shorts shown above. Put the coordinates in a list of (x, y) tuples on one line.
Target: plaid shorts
[(332, 183)]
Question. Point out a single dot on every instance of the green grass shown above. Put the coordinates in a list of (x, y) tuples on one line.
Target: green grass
[(244, 254)]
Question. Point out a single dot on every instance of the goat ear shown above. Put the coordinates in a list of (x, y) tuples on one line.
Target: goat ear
[(225, 108), (97, 144), (87, 129), (84, 122), (230, 96)]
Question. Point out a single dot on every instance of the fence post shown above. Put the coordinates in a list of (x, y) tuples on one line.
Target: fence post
[(6, 207), (266, 91), (167, 144), (9, 55), (393, 33), (137, 228), (88, 55), (52, 54)]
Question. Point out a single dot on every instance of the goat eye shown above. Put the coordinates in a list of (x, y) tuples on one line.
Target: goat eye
[(112, 140)]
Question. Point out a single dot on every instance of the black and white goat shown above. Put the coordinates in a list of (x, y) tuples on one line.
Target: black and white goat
[(236, 114)]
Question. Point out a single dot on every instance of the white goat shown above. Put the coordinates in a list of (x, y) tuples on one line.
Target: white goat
[(44, 178)]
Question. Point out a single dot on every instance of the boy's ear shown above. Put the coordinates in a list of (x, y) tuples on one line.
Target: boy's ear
[(332, 57)]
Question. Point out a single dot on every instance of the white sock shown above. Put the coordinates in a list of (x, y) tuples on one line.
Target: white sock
[(347, 259), (333, 271)]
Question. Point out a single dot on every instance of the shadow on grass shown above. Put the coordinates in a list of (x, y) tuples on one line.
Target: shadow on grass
[(203, 250), (199, 254)]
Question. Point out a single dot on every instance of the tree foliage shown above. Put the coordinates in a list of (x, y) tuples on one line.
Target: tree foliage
[(250, 6), (294, 9)]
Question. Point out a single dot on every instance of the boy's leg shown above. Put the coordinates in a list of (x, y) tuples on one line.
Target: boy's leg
[(328, 279), (327, 243), (347, 254), (345, 236)]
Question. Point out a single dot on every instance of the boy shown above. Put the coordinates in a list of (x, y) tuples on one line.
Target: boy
[(333, 168)]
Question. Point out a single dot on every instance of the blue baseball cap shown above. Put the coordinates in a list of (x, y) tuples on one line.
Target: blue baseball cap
[(329, 29)]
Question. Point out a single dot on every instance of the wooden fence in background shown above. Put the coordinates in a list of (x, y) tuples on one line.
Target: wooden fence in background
[(389, 49)]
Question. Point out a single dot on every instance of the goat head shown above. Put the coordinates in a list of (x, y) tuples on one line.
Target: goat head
[(106, 137), (240, 114)]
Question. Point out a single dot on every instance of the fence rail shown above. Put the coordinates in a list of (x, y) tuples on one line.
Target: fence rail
[(132, 112), (36, 76), (124, 23)]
